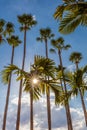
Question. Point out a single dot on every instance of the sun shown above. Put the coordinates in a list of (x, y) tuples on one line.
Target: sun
[(35, 81)]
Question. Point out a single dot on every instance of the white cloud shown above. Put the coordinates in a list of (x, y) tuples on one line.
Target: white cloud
[(24, 99), (40, 115)]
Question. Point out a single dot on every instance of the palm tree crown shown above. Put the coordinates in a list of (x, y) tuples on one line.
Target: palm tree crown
[(59, 44), (76, 58), (2, 24), (9, 28), (71, 14), (27, 21), (13, 40), (45, 33)]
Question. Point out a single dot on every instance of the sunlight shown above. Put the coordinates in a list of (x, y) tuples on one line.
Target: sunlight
[(35, 81)]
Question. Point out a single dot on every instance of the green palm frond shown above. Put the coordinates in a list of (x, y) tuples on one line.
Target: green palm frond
[(34, 89), (27, 21), (14, 40), (63, 98), (69, 1), (59, 44), (36, 94), (9, 29), (2, 24), (45, 33), (66, 47), (76, 81), (52, 50), (68, 5), (75, 57), (45, 66), (2, 40), (71, 14), (69, 23), (59, 12), (8, 70), (39, 39), (85, 69)]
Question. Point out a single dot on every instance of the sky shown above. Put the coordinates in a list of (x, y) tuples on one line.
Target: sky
[(43, 11)]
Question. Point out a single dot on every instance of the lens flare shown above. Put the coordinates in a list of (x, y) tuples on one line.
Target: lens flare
[(35, 81)]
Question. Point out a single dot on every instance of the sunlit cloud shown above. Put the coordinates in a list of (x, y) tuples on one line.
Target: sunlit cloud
[(40, 116)]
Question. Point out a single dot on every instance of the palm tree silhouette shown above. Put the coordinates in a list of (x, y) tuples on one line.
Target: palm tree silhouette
[(9, 29), (14, 42), (27, 22), (59, 45), (45, 34), (75, 57)]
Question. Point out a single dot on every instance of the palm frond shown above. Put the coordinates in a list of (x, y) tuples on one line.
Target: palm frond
[(39, 39), (7, 72), (52, 50), (59, 12), (69, 23)]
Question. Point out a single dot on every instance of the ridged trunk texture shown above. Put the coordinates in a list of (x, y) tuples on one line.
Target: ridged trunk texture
[(8, 95), (20, 87)]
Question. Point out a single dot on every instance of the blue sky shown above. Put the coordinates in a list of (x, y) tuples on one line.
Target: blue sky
[(43, 11)]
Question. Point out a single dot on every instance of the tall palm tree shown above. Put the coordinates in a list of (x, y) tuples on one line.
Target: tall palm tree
[(14, 42), (76, 15), (9, 29), (42, 67), (2, 24), (27, 21), (45, 34), (28, 85), (59, 45), (75, 57)]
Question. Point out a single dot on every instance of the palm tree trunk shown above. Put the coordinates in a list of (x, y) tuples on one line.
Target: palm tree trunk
[(31, 110), (20, 87), (46, 48), (67, 107), (48, 94), (49, 109), (84, 108), (82, 100), (8, 95)]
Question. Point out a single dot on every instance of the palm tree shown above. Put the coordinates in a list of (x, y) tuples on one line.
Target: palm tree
[(9, 29), (27, 82), (14, 42), (76, 15), (27, 21), (2, 24), (59, 45), (42, 67), (45, 34), (76, 57)]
